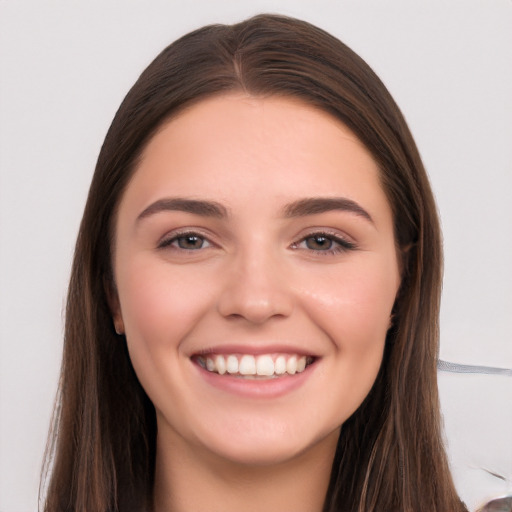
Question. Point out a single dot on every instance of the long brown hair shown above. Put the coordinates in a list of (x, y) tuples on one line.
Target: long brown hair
[(390, 455)]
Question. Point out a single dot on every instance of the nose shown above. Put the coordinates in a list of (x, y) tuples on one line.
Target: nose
[(256, 290)]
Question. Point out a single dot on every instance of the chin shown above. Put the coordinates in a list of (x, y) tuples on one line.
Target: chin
[(265, 443)]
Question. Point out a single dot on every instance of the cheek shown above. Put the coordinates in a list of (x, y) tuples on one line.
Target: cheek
[(353, 305), (366, 291), (160, 306), (353, 309)]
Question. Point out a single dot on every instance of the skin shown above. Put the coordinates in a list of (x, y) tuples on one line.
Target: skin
[(256, 278)]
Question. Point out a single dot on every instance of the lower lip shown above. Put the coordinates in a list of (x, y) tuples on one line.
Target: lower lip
[(257, 388)]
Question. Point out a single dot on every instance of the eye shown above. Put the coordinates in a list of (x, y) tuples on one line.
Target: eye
[(186, 241), (319, 243), (326, 243)]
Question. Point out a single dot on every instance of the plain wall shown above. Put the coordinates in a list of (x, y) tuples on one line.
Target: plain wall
[(65, 67)]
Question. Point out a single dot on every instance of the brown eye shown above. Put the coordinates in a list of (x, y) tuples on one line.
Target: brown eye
[(324, 243), (190, 242), (186, 241), (319, 243)]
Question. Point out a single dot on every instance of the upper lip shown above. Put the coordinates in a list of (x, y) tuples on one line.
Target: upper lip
[(253, 350)]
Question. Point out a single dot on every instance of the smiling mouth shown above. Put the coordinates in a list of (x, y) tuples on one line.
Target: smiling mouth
[(248, 366)]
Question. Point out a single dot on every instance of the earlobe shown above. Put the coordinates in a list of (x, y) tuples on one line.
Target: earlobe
[(119, 330), (113, 304)]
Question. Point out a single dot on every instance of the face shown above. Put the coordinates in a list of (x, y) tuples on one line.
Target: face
[(256, 271)]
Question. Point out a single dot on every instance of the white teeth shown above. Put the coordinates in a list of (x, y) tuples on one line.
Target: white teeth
[(220, 363), (265, 365), (291, 365), (232, 364), (248, 365), (280, 365)]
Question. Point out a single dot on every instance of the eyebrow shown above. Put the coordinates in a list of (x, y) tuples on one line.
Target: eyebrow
[(195, 206), (300, 208), (315, 205)]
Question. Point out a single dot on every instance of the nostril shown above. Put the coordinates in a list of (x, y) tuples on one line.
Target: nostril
[(255, 292), (253, 307)]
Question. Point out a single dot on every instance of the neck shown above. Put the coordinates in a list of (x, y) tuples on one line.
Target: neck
[(194, 480)]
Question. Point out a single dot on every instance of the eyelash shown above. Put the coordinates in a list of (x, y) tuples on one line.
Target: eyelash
[(340, 244), (168, 242)]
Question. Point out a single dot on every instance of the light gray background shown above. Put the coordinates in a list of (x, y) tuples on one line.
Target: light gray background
[(65, 67)]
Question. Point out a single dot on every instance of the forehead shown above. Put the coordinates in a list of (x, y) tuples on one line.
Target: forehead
[(240, 149)]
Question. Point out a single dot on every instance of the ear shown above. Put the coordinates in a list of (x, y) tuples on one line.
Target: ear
[(403, 254), (113, 304)]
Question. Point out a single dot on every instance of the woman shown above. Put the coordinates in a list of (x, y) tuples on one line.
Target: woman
[(252, 319)]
